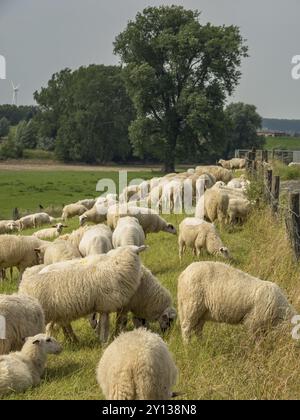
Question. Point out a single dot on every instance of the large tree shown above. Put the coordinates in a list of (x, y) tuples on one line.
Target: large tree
[(178, 73), (243, 123)]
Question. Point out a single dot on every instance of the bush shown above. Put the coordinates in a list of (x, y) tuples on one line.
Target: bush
[(9, 149), (4, 127)]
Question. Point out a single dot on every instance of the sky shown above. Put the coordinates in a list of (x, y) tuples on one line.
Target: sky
[(41, 37)]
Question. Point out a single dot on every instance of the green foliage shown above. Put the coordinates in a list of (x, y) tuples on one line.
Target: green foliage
[(4, 127), (85, 115), (26, 134), (10, 149), (243, 123), (14, 114), (178, 73)]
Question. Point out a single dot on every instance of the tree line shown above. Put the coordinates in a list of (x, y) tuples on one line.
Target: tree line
[(165, 102)]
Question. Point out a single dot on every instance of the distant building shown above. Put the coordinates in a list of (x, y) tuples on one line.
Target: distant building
[(271, 133)]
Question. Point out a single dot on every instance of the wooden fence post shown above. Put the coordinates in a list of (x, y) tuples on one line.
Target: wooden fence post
[(275, 194), (293, 222), (268, 185)]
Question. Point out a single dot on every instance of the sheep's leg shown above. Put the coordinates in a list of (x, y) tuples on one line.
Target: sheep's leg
[(181, 248), (50, 328), (199, 328), (121, 322), (140, 323), (69, 333), (103, 328)]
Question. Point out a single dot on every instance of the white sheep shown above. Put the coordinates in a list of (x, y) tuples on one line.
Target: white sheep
[(238, 210), (220, 174), (50, 233), (72, 210), (137, 365), (150, 221), (23, 317), (24, 369), (8, 226), (213, 291), (128, 232), (19, 251), (213, 205), (74, 289), (87, 203), (198, 234), (95, 215), (57, 251), (96, 240)]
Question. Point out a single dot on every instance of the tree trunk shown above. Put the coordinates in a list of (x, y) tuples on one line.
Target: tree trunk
[(169, 166), (172, 132)]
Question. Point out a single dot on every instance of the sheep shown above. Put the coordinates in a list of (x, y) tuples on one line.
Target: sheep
[(23, 316), (151, 303), (24, 369), (220, 174), (224, 163), (33, 220), (213, 291), (213, 205), (8, 226), (50, 233), (234, 163), (71, 290), (19, 251), (75, 237), (87, 203), (137, 365), (198, 234), (96, 215), (27, 222), (57, 251), (72, 210), (96, 240), (128, 232), (150, 221), (238, 210)]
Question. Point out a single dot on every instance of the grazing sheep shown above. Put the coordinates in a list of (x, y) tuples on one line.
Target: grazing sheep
[(24, 369), (57, 251), (128, 232), (96, 240), (27, 222), (137, 365), (87, 203), (198, 234), (220, 174), (72, 210), (234, 163), (50, 233), (213, 291), (96, 215), (23, 316), (224, 163), (151, 303), (42, 219), (71, 290), (150, 221), (238, 210), (8, 226), (213, 205), (19, 251)]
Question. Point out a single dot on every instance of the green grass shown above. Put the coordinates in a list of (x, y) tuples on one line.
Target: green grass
[(286, 172), (38, 154), (226, 363), (290, 143)]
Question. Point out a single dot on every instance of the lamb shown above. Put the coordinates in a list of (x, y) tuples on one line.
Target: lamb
[(137, 365), (128, 232), (150, 221), (100, 284), (8, 226), (57, 251), (198, 234), (19, 251), (50, 233), (151, 303), (213, 205), (96, 240), (213, 291), (24, 369), (23, 317), (72, 210), (238, 210)]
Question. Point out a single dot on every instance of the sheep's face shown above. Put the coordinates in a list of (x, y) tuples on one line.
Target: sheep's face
[(224, 252), (40, 253), (171, 229), (167, 318), (48, 344), (82, 220)]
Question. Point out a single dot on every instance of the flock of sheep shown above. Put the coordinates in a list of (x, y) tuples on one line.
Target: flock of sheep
[(96, 270)]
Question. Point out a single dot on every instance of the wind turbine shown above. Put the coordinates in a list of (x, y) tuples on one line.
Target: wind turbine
[(15, 93)]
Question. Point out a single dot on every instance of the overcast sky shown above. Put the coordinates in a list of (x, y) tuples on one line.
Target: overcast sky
[(40, 37)]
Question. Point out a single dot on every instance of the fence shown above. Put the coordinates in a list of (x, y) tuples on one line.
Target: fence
[(285, 156), (260, 168)]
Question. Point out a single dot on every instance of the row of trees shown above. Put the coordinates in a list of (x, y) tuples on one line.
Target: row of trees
[(166, 102)]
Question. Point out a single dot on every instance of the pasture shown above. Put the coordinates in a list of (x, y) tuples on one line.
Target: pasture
[(226, 363), (285, 143)]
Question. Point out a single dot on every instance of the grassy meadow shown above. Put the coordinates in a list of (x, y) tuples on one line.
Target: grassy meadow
[(226, 363), (285, 143)]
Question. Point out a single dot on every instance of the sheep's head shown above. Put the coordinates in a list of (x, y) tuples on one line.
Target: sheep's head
[(48, 344), (40, 253), (170, 229), (167, 318), (82, 219), (224, 252)]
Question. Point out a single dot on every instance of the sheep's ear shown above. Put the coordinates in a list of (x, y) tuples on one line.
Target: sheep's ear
[(37, 250), (142, 248), (36, 342)]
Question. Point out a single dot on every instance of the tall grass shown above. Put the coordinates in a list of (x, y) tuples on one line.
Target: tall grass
[(285, 172)]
